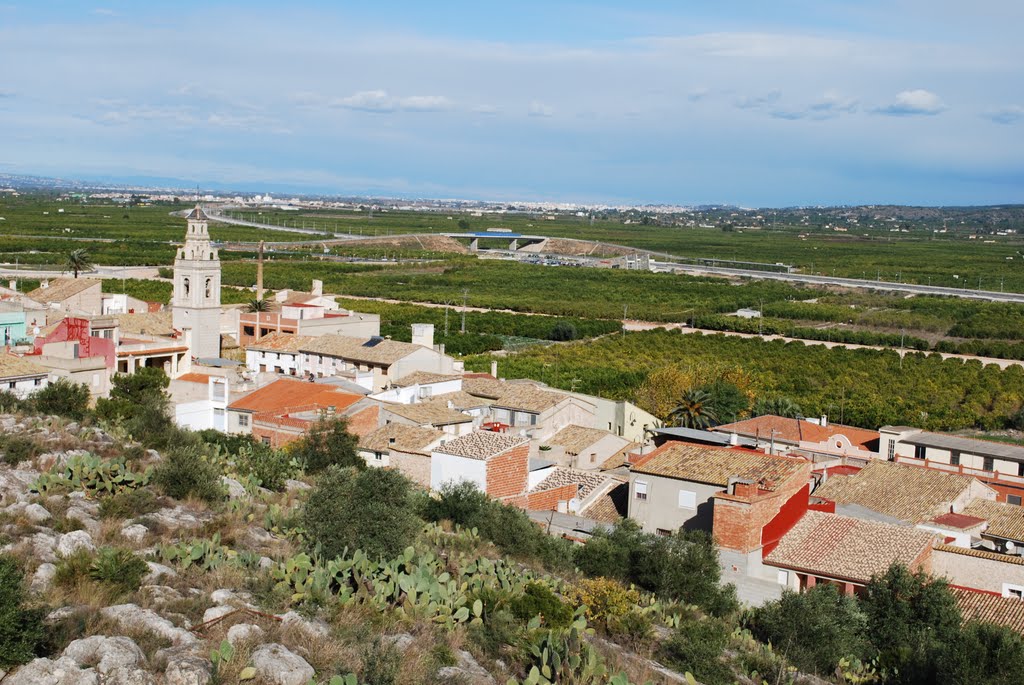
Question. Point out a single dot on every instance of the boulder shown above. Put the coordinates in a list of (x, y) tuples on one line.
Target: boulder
[(292, 485), (157, 571), (277, 665), (235, 489), (134, 532), (400, 641), (213, 613), (244, 632), (160, 594), (468, 671), (106, 654), (188, 670), (62, 671), (36, 513), (43, 577), (310, 629), (69, 543), (133, 617)]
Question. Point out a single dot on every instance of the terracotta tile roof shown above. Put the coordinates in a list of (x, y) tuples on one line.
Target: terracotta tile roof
[(611, 506), (481, 445), (203, 378), (575, 438), (528, 397), (483, 385), (13, 366), (847, 548), (990, 608), (1004, 520), (281, 342), (957, 521), (716, 465), (367, 350), (800, 430), (424, 413), (423, 377), (908, 493), (396, 436), (620, 458), (197, 214), (587, 481), (285, 394), (60, 289), (145, 323), (981, 554), (461, 400)]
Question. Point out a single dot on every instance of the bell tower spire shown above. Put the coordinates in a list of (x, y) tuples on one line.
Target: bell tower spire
[(196, 300)]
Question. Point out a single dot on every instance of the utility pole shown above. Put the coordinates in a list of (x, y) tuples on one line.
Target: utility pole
[(625, 309), (465, 296)]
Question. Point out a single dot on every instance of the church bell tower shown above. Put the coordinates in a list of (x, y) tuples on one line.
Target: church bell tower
[(195, 305)]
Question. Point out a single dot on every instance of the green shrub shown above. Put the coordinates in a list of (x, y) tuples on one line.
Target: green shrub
[(18, 448), (327, 443), (63, 398), (21, 628), (632, 629), (380, 664), (835, 620), (371, 510), (10, 403), (73, 569), (697, 646), (128, 504), (185, 473), (118, 568), (539, 600)]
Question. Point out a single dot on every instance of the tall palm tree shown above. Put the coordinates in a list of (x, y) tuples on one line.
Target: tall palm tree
[(77, 260), (258, 306), (694, 410)]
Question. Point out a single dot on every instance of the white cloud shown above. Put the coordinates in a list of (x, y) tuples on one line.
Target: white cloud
[(539, 109), (380, 101), (1010, 114), (829, 106), (913, 102), (758, 101)]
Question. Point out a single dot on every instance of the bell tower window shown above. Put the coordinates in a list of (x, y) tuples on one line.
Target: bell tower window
[(209, 287), (185, 286)]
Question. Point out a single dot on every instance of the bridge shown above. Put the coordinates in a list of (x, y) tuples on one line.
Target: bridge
[(513, 239)]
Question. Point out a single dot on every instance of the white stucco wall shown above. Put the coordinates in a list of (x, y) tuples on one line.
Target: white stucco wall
[(445, 468)]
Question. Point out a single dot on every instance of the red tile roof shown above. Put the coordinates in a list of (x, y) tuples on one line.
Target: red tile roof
[(285, 394), (800, 430), (958, 521), (845, 548), (716, 465), (990, 608)]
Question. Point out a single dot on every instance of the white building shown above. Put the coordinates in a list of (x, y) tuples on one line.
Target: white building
[(21, 376)]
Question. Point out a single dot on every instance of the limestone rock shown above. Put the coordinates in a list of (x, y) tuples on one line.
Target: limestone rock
[(106, 654), (134, 532), (160, 594), (400, 641), (62, 671), (468, 671), (312, 629), (244, 632), (157, 571), (36, 513), (292, 485), (134, 617), (188, 670), (69, 543), (43, 577), (235, 489), (277, 665), (214, 613)]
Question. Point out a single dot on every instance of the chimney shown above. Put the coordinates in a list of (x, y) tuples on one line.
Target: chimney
[(494, 368), (259, 273), (318, 288), (734, 439), (13, 284), (824, 420), (423, 334)]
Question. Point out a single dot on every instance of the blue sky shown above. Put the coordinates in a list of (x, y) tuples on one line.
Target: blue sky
[(751, 103)]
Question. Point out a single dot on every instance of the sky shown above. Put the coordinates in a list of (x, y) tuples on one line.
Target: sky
[(757, 104)]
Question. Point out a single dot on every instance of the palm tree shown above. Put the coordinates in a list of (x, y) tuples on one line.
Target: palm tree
[(78, 260), (776, 406), (694, 410), (258, 306)]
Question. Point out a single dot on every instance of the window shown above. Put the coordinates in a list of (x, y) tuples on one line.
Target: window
[(533, 419), (892, 450), (1015, 591), (12, 385), (783, 576), (664, 532), (989, 464), (920, 451), (218, 412), (687, 499), (185, 286), (954, 458), (1013, 499), (37, 381), (377, 456), (249, 330), (1020, 469), (426, 393), (209, 287), (640, 488), (243, 419)]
